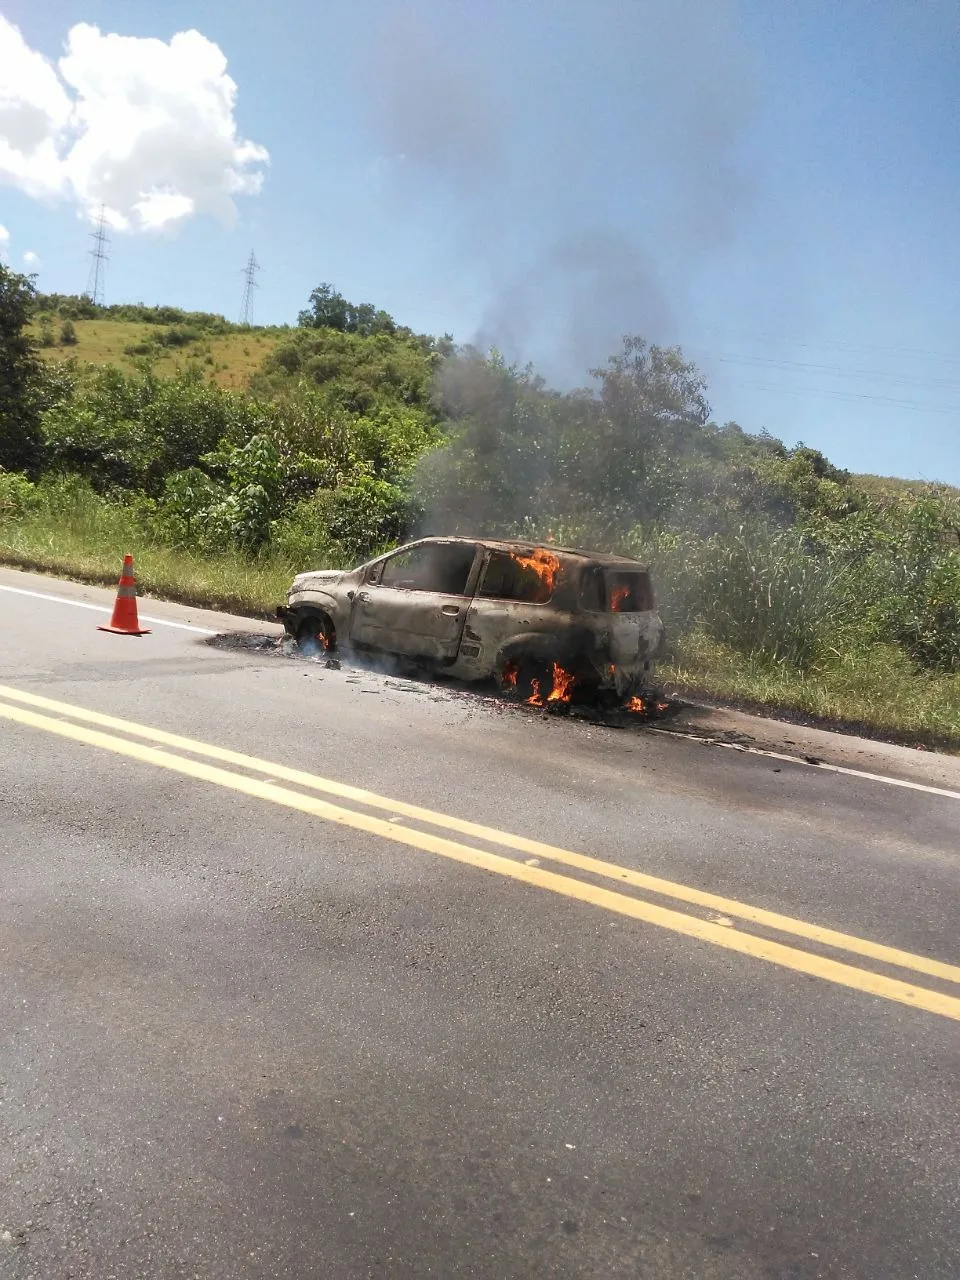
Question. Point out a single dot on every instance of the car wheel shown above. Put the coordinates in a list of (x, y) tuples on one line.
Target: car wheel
[(317, 634), (526, 679)]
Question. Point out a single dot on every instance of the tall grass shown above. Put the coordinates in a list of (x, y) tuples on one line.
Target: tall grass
[(72, 532), (880, 692), (757, 617), (758, 591)]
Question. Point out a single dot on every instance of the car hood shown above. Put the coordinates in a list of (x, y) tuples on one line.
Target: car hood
[(318, 578)]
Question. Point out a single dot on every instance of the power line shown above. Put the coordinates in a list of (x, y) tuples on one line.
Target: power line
[(250, 283), (950, 410), (765, 362), (793, 340), (99, 259)]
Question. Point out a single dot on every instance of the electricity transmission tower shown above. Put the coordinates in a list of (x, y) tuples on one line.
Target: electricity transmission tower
[(250, 283), (99, 259)]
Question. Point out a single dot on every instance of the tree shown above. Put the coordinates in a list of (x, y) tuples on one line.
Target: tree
[(20, 375), (68, 334), (650, 420), (493, 473), (329, 309)]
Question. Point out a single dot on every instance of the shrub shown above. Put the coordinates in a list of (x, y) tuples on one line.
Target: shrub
[(364, 516), (17, 496), (177, 337)]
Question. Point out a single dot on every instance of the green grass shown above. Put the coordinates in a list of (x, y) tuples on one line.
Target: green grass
[(233, 357), (879, 693), (88, 541)]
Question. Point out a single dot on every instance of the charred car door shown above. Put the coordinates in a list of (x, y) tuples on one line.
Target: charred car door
[(415, 602)]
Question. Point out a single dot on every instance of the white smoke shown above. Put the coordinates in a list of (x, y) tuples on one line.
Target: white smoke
[(144, 128)]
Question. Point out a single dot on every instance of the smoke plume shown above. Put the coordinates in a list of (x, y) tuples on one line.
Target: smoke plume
[(578, 161)]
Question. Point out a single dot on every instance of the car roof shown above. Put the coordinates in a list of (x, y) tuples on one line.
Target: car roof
[(515, 544)]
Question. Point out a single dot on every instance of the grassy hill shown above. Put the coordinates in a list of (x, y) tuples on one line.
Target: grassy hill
[(229, 359), (887, 487)]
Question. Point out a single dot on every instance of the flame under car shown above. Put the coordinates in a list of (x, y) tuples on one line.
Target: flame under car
[(549, 624)]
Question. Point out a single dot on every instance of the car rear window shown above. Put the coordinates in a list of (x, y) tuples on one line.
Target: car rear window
[(629, 591), (529, 576)]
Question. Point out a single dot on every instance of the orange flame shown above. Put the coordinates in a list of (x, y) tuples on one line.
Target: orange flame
[(562, 690), (509, 675), (641, 707), (543, 563), (535, 700), (618, 597), (320, 636)]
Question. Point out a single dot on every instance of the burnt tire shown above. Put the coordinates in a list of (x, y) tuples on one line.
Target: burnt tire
[(525, 677), (316, 634)]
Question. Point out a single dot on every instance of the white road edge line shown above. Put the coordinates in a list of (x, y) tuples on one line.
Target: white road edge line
[(820, 764), (99, 608)]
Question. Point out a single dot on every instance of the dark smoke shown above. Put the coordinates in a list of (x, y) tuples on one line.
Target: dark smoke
[(433, 110), (576, 300)]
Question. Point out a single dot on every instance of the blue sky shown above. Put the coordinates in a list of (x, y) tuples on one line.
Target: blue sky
[(775, 187)]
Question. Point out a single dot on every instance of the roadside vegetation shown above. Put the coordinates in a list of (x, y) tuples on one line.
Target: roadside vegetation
[(784, 581)]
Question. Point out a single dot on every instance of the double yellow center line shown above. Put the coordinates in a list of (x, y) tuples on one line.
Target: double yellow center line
[(715, 922)]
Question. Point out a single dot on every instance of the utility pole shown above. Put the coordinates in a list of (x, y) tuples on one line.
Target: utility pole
[(99, 259), (250, 283)]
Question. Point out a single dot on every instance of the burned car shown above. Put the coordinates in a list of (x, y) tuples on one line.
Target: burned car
[(545, 622)]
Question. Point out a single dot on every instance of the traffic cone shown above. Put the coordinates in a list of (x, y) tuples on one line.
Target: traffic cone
[(125, 621)]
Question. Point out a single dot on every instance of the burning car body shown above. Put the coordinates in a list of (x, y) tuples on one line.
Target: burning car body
[(547, 623)]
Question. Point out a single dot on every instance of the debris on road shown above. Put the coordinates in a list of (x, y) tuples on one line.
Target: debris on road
[(406, 676)]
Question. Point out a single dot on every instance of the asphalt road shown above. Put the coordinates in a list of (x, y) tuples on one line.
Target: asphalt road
[(248, 1031)]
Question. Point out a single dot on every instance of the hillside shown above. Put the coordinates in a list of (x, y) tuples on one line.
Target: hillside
[(230, 355), (892, 487), (228, 359)]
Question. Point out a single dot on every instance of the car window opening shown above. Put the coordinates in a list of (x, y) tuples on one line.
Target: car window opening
[(526, 578), (629, 592), (440, 567)]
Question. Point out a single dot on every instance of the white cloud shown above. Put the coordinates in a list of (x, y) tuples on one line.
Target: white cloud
[(142, 127), (34, 111), (4, 241), (31, 259)]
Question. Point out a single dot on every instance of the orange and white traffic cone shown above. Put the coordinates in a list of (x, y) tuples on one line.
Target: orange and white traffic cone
[(125, 621)]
